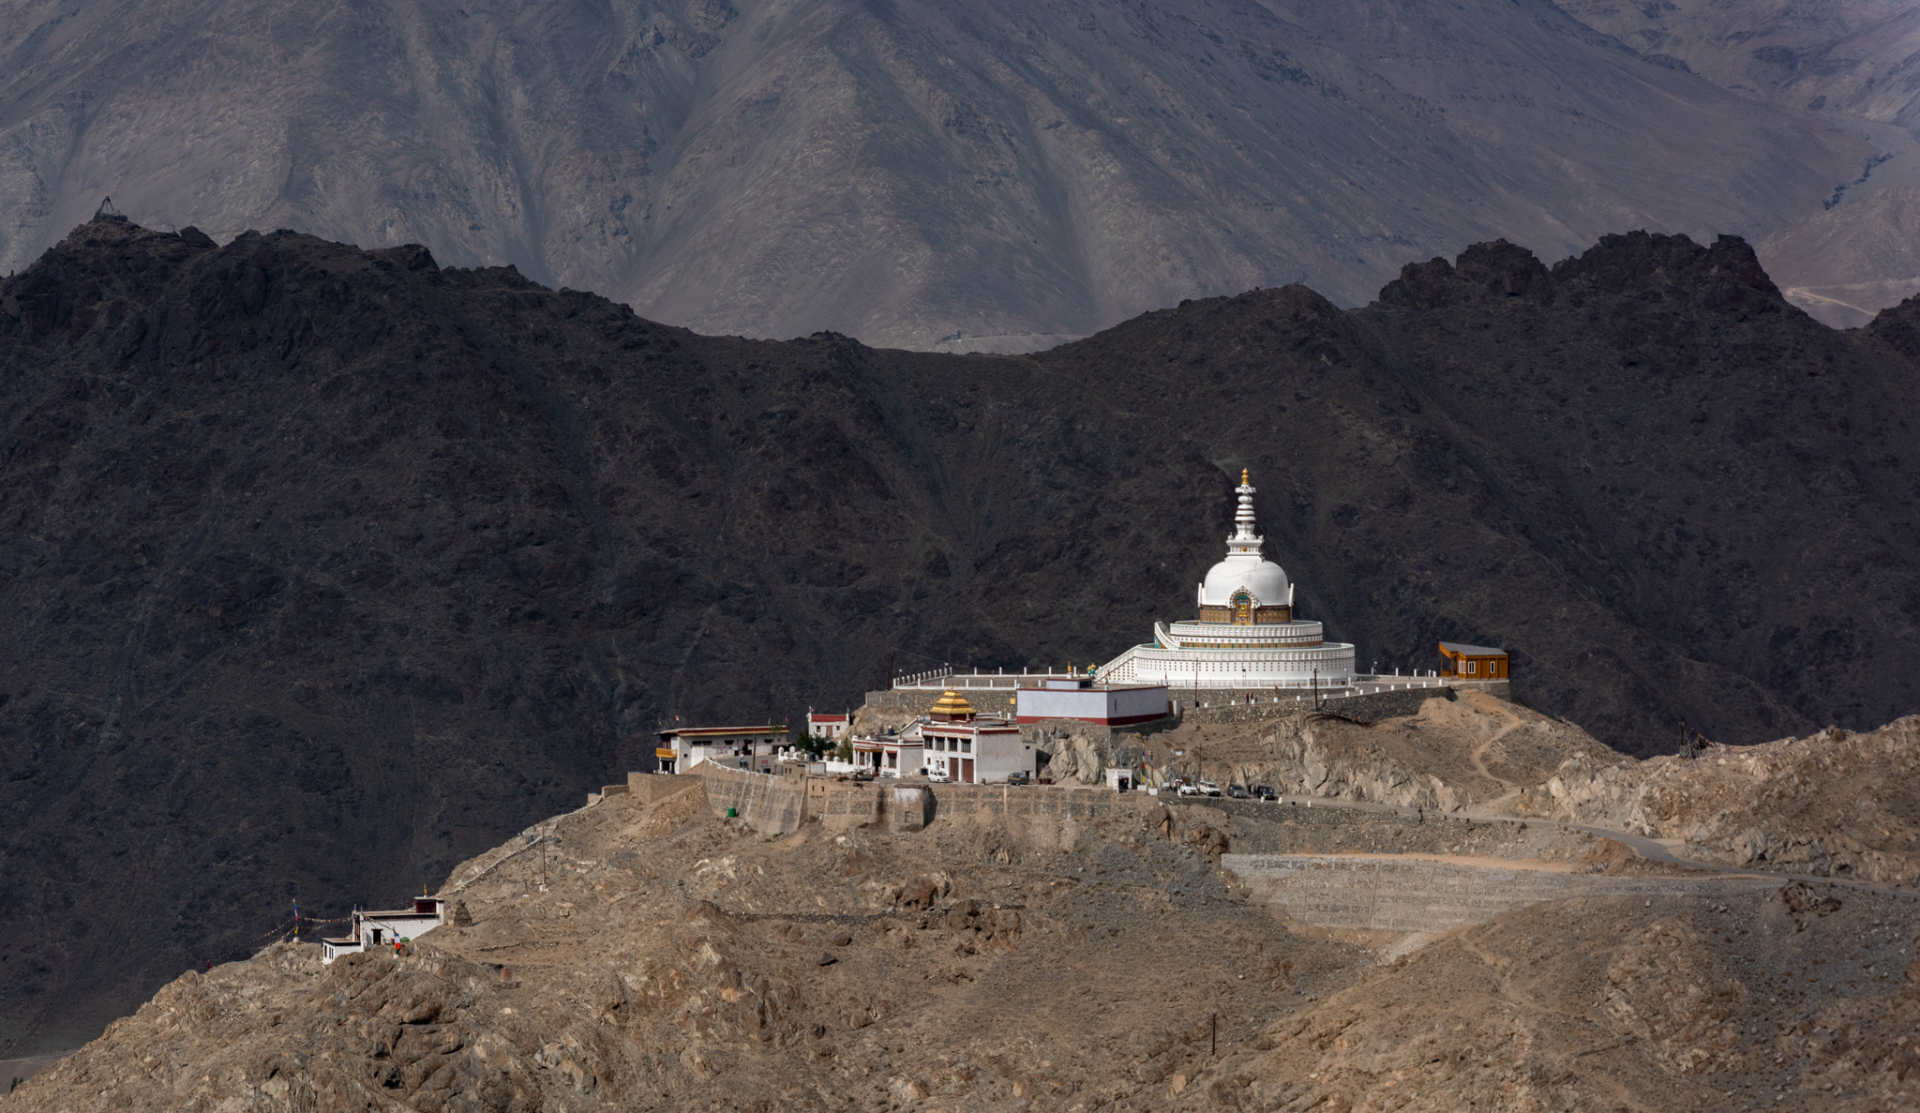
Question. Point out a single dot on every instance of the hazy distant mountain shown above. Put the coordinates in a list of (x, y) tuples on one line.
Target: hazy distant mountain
[(910, 172), (1849, 63)]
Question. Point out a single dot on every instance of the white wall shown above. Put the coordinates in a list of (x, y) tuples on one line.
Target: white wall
[(998, 755), (1093, 705)]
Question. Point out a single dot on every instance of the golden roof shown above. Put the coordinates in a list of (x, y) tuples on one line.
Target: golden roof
[(952, 703)]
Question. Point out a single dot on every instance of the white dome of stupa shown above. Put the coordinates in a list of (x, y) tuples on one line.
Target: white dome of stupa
[(1262, 579)]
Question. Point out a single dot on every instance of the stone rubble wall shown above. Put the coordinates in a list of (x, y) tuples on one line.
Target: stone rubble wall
[(1412, 894), (777, 804), (892, 709), (1279, 828), (1008, 802)]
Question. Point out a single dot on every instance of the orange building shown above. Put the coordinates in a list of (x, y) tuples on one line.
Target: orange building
[(1474, 662)]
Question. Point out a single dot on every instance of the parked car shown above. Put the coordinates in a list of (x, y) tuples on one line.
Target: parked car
[(1208, 788), (1185, 789), (863, 774), (937, 777), (1019, 779), (1238, 792), (1265, 792)]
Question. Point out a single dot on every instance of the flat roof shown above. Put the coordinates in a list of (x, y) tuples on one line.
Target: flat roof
[(706, 731), (825, 718), (1465, 650)]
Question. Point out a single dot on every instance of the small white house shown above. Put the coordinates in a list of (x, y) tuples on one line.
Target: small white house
[(754, 748), (384, 929), (831, 727), (889, 755)]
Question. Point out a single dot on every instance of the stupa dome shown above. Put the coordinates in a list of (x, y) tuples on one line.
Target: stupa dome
[(1263, 579)]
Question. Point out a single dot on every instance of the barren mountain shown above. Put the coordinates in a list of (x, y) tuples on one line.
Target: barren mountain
[(1849, 63), (639, 956), (327, 568), (1000, 173)]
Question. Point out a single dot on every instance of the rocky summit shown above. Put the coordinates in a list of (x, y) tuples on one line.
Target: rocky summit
[(327, 569)]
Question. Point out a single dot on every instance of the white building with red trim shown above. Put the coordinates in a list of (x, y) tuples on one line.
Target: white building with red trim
[(831, 727)]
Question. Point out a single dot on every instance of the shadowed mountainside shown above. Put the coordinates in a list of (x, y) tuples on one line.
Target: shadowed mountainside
[(327, 568), (996, 173)]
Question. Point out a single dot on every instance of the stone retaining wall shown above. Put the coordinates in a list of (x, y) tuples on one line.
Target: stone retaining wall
[(777, 804), (1412, 894), (1043, 801), (902, 701), (1230, 706)]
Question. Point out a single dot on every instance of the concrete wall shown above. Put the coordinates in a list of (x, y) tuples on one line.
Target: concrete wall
[(1413, 894), (776, 804), (771, 804)]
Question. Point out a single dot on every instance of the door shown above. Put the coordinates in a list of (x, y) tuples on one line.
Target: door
[(966, 770)]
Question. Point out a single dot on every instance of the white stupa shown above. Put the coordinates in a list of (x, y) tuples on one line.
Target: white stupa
[(1246, 635)]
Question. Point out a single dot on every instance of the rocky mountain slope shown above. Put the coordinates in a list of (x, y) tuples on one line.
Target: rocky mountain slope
[(996, 173), (329, 568), (654, 957), (1829, 804), (1832, 804), (1845, 63)]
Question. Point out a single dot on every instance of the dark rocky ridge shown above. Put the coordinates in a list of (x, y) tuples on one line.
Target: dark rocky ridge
[(328, 568)]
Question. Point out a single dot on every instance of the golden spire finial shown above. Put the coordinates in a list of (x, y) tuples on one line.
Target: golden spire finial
[(1243, 477)]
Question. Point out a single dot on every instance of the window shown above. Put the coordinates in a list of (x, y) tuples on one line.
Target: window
[(1472, 667), (966, 745)]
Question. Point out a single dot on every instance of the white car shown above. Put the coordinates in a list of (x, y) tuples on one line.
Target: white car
[(937, 777), (1208, 788), (1186, 789)]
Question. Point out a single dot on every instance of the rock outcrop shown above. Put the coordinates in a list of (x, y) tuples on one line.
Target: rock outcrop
[(1833, 804)]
